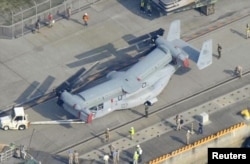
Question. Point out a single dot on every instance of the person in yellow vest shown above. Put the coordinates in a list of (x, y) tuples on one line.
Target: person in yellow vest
[(248, 31), (135, 158), (139, 151), (142, 6), (132, 132)]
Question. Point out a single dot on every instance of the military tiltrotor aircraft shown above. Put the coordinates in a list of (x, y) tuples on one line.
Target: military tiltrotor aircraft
[(141, 83)]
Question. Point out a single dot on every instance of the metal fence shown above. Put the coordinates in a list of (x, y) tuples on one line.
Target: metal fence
[(19, 23), (4, 156)]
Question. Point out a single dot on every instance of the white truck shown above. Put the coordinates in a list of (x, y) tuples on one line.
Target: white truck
[(17, 120)]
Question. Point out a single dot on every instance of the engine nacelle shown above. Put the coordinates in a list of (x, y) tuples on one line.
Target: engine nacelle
[(182, 57)]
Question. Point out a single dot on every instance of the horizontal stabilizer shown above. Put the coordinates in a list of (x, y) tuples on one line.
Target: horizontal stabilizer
[(205, 57)]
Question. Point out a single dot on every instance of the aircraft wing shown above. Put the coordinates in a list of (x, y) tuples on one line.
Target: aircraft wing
[(202, 58), (174, 31)]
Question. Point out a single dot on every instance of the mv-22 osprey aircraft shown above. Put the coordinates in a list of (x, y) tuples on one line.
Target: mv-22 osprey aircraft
[(141, 83)]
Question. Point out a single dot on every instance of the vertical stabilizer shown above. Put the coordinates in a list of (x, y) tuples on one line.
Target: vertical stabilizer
[(205, 57), (174, 30)]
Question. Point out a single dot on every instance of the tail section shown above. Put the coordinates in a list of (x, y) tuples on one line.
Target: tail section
[(205, 57)]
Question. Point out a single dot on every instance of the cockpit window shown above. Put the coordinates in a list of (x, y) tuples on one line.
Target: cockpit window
[(94, 108), (100, 106), (19, 118)]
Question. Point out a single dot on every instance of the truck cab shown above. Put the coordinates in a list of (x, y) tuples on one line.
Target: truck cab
[(18, 120)]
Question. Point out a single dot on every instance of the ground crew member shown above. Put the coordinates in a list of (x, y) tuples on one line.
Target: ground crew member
[(135, 158), (149, 9), (70, 157), (117, 155), (238, 71), (142, 6), (106, 159), (85, 19), (38, 24), (112, 149), (76, 157), (200, 130), (139, 152), (50, 18), (132, 132), (248, 31), (178, 122), (187, 137), (219, 48), (107, 135), (68, 12)]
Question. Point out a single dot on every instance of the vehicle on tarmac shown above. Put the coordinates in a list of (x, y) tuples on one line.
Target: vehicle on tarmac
[(173, 6), (141, 83), (17, 120)]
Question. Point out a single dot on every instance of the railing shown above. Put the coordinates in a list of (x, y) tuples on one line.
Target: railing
[(197, 143), (15, 24), (7, 154)]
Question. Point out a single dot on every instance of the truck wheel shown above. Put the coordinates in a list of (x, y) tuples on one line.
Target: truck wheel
[(5, 128), (21, 127)]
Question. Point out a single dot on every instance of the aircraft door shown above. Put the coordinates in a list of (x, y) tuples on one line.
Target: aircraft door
[(16, 121)]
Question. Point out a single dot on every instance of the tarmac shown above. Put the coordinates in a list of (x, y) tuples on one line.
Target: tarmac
[(40, 62)]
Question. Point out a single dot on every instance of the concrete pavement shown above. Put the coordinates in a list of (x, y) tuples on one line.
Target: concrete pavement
[(40, 62)]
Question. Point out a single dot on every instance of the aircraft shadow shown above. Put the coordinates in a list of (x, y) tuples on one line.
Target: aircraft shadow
[(35, 90), (122, 58), (31, 96), (182, 71)]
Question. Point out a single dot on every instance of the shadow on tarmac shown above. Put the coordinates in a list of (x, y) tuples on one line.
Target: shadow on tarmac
[(34, 90)]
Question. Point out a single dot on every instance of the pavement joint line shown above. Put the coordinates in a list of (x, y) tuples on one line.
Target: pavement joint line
[(156, 130)]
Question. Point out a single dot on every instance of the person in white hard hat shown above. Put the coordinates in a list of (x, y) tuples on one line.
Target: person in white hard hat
[(85, 19), (139, 151)]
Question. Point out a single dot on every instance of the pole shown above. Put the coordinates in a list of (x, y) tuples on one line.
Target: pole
[(22, 19), (192, 128), (31, 139), (12, 23), (36, 8)]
